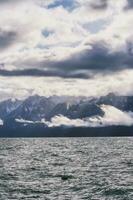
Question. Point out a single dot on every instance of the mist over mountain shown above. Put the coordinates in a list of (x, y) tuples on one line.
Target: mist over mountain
[(67, 111)]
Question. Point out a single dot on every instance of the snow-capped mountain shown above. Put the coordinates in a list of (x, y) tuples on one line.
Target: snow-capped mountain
[(40, 109), (124, 103), (8, 106)]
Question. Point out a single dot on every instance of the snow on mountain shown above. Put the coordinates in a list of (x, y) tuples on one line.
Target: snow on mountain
[(8, 106), (1, 122), (52, 111), (33, 108), (112, 116)]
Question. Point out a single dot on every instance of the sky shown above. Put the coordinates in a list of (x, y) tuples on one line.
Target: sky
[(66, 47)]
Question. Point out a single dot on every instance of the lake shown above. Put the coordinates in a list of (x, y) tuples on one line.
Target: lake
[(66, 168)]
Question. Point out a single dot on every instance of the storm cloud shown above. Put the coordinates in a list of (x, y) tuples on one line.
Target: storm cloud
[(7, 38), (99, 4), (129, 5), (74, 41), (43, 73), (100, 57)]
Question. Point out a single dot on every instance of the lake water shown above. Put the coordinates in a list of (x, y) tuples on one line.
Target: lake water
[(66, 169)]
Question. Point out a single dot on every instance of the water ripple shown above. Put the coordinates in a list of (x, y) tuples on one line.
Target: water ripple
[(66, 169)]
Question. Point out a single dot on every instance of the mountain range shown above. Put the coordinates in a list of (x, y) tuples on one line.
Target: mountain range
[(40, 109)]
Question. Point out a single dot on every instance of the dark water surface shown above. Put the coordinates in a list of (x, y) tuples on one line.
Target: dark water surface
[(66, 169)]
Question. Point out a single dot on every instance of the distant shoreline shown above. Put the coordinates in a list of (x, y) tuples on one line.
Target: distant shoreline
[(39, 131)]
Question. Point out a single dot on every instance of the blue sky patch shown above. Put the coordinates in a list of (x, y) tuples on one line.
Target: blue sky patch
[(67, 4), (95, 26), (46, 33)]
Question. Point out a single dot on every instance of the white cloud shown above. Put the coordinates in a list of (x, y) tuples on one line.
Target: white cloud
[(112, 116), (29, 18), (64, 121), (1, 122), (120, 83)]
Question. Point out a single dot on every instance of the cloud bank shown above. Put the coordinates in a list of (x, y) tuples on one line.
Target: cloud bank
[(112, 116), (120, 83)]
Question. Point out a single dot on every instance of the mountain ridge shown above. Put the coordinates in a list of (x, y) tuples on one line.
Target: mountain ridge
[(40, 108)]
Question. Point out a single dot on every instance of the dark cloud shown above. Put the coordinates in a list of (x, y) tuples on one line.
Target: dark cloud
[(129, 5), (5, 1), (8, 1), (99, 4), (42, 73), (7, 38), (100, 57)]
